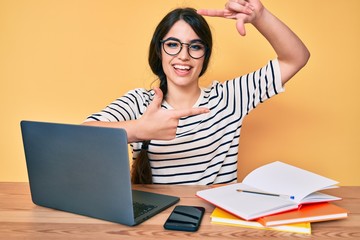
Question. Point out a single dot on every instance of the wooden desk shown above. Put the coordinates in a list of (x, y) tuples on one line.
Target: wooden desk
[(21, 219)]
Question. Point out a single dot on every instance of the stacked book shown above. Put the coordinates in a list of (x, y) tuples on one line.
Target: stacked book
[(276, 196)]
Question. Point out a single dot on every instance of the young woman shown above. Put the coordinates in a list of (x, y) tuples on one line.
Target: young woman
[(181, 133)]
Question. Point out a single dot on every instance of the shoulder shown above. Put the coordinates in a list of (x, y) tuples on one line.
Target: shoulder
[(138, 95), (270, 71), (140, 92)]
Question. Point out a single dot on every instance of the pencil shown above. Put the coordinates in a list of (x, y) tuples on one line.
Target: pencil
[(267, 194)]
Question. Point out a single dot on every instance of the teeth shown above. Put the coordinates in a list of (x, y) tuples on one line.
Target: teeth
[(182, 67)]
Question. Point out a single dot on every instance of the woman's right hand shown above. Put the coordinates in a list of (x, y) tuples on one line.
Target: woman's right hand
[(161, 124)]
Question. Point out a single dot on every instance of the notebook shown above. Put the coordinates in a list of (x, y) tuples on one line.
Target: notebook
[(273, 188), (219, 216), (317, 212), (85, 170)]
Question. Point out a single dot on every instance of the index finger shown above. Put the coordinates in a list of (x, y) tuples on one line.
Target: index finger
[(189, 112), (212, 12)]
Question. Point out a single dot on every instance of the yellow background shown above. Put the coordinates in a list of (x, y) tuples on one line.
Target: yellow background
[(63, 60)]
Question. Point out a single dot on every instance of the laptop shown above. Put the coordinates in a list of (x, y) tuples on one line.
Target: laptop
[(85, 170)]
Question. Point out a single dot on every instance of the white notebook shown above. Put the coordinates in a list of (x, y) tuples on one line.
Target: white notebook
[(270, 189)]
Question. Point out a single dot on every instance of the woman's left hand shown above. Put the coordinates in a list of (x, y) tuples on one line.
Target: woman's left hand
[(243, 11)]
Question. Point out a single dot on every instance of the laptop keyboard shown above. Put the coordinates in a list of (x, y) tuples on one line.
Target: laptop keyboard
[(142, 208)]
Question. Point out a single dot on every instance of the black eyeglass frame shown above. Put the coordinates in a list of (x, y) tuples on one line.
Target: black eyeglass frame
[(181, 46)]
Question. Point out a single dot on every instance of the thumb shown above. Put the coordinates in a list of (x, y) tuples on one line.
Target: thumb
[(157, 98), (240, 26)]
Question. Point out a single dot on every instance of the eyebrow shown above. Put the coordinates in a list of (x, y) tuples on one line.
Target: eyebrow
[(192, 41)]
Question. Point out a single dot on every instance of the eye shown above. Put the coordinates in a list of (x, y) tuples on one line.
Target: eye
[(196, 47), (172, 44)]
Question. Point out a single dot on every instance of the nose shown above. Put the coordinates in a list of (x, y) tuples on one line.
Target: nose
[(184, 53)]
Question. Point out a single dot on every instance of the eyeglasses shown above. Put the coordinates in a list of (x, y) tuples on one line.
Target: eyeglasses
[(173, 46)]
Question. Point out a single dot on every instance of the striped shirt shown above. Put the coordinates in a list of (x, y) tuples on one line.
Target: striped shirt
[(205, 149)]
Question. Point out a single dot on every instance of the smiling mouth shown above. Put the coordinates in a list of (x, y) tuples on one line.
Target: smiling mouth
[(182, 67)]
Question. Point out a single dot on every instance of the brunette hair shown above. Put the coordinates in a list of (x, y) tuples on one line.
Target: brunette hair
[(141, 170)]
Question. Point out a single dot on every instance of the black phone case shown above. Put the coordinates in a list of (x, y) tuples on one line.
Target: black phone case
[(185, 218)]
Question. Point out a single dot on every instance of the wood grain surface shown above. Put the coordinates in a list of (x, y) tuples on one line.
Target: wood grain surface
[(21, 219)]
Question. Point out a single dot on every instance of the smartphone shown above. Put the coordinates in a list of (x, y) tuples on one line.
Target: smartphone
[(185, 218)]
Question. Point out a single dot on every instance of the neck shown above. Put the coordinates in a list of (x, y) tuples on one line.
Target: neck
[(183, 98)]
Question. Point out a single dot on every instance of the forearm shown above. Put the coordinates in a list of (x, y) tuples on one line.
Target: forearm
[(291, 51), (155, 124), (131, 127)]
